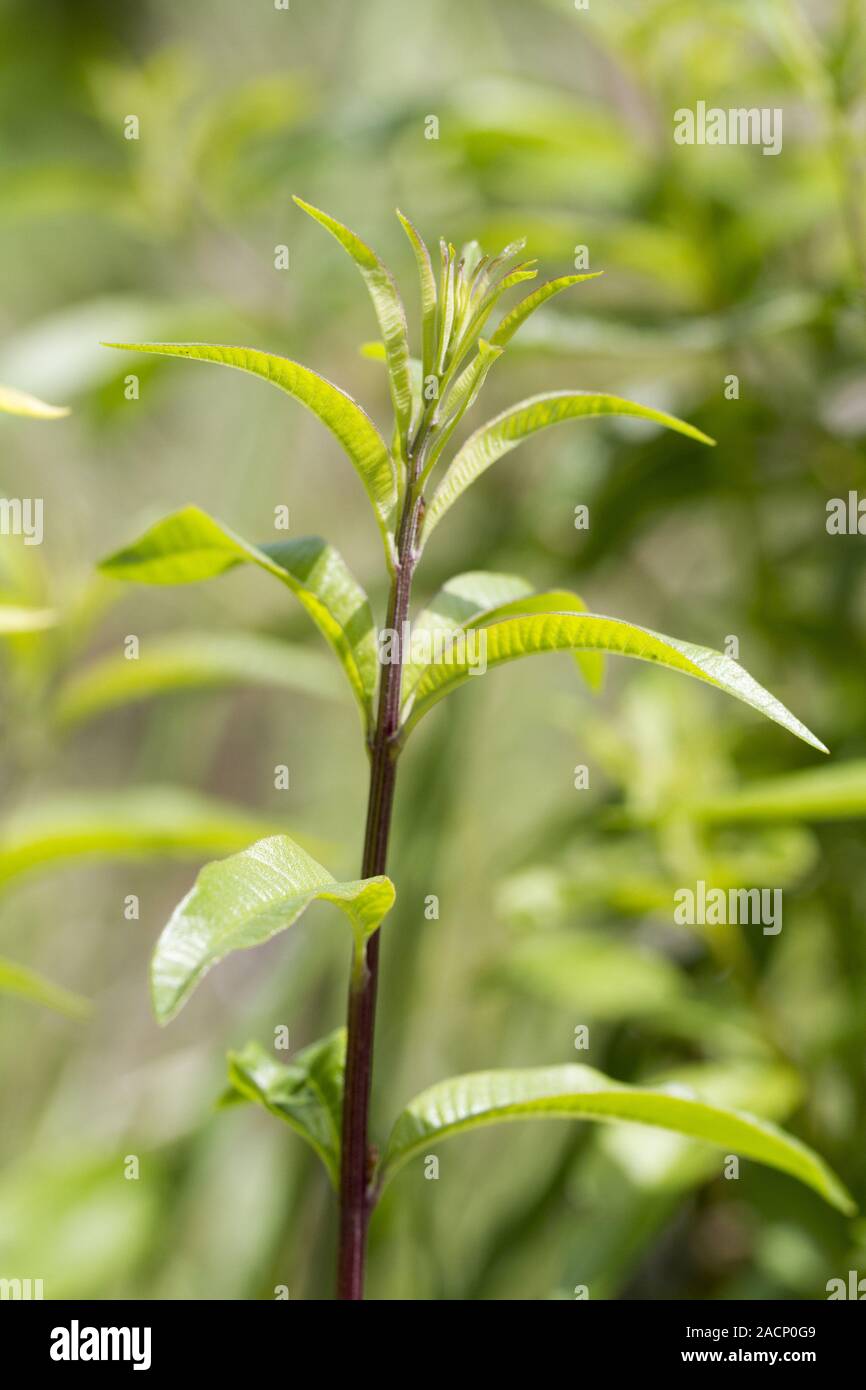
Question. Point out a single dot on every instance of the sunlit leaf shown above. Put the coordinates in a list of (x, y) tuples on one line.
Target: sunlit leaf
[(480, 597), (574, 1093), (190, 545), (517, 637), (307, 1093), (502, 434), (195, 661), (15, 619), (26, 984), (521, 312), (243, 901), (338, 411), (388, 306), (427, 280), (14, 402)]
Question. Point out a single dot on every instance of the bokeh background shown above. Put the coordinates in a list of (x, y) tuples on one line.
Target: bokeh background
[(555, 904)]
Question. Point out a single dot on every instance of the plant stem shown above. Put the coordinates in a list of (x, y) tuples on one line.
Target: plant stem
[(356, 1164)]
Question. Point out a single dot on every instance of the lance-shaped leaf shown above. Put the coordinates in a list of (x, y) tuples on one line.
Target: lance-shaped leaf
[(195, 661), (189, 545), (427, 281), (342, 415), (144, 823), (581, 1093), (480, 597), (528, 636), (522, 311), (460, 398), (15, 619), (17, 980), (246, 899), (307, 1094), (502, 434), (388, 306), (14, 402)]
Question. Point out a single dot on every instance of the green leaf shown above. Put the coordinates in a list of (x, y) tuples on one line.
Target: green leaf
[(388, 306), (342, 415), (837, 792), (147, 822), (189, 545), (243, 901), (502, 434), (26, 984), (517, 637), (574, 1093), (194, 661), (427, 280), (480, 597), (460, 398), (522, 311), (14, 402), (307, 1094), (15, 619)]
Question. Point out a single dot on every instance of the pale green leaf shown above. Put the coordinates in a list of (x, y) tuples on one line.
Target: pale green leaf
[(522, 311), (14, 402), (342, 415), (502, 434), (17, 980), (427, 280), (147, 822), (190, 545), (581, 1093), (480, 597), (243, 901), (307, 1093), (194, 661), (15, 619), (547, 632), (388, 306), (458, 399)]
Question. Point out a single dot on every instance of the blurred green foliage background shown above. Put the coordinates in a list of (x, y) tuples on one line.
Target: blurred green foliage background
[(555, 904)]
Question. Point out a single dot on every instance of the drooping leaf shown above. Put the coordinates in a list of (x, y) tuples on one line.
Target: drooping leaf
[(243, 901), (574, 1093), (15, 619), (189, 545), (14, 402), (502, 434), (427, 280), (194, 661), (388, 306), (522, 311), (17, 980), (527, 636), (342, 415), (147, 822), (307, 1093), (480, 597)]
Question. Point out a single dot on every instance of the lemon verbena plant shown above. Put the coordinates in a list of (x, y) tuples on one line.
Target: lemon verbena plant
[(413, 479)]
